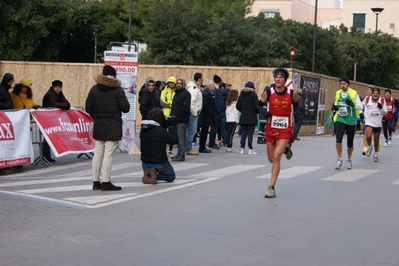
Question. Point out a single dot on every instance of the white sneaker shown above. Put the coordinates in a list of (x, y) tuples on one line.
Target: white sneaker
[(369, 150), (252, 152), (376, 158), (242, 151), (385, 144), (349, 164), (389, 142)]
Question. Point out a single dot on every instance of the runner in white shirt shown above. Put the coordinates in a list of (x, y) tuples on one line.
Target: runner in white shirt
[(374, 109)]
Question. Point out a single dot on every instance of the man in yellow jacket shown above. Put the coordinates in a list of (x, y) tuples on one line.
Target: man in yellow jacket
[(167, 95)]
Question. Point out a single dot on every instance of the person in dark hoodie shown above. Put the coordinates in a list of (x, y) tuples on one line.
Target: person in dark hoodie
[(148, 98), (247, 104), (53, 98), (153, 140), (180, 116), (105, 102), (6, 84)]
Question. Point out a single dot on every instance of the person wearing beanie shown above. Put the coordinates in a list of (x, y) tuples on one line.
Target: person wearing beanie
[(347, 105), (105, 103), (180, 115), (54, 97), (22, 95), (247, 104), (6, 84), (279, 123)]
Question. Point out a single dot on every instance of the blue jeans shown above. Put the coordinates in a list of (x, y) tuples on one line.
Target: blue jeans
[(247, 131), (223, 128), (191, 130), (164, 172)]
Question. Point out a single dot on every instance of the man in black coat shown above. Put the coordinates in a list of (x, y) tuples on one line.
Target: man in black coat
[(105, 102), (207, 116), (148, 98), (180, 116)]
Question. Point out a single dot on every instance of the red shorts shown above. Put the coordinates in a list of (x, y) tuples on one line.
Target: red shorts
[(272, 135)]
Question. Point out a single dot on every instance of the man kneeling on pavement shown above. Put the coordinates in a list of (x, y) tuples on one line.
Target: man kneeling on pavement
[(153, 141)]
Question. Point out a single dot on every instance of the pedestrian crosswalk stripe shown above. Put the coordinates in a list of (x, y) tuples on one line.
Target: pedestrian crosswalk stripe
[(176, 167), (89, 187), (396, 182), (293, 171), (350, 175), (226, 171), (98, 199)]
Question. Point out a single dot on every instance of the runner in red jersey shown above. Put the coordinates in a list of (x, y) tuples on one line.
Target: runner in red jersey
[(279, 125), (388, 118)]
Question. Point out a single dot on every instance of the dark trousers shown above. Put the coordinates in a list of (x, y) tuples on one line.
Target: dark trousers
[(231, 129), (214, 130), (297, 127), (46, 149), (203, 136), (247, 131), (181, 130)]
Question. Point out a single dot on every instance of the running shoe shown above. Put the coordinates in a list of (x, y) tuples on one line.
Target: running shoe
[(349, 164), (369, 150), (364, 151), (389, 142), (242, 151), (385, 144), (339, 164), (376, 158), (271, 193), (288, 152)]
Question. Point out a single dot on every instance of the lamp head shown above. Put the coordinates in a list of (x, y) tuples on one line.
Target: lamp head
[(95, 28), (377, 10)]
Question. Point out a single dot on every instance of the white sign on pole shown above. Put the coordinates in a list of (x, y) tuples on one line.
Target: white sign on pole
[(125, 64)]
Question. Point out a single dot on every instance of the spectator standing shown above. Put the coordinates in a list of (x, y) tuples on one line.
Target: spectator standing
[(105, 102), (247, 104), (194, 88), (299, 115), (166, 101), (219, 106), (262, 122), (153, 140), (148, 98), (54, 97), (5, 98), (232, 119), (180, 116), (207, 116), (388, 119), (222, 138)]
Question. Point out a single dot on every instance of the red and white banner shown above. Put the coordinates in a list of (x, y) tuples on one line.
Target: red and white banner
[(66, 132), (15, 144)]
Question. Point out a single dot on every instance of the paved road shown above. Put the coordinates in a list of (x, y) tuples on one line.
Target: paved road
[(214, 214)]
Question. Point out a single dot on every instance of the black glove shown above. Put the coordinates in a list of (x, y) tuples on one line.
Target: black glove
[(379, 105), (349, 102), (336, 108), (267, 114), (68, 106), (361, 116)]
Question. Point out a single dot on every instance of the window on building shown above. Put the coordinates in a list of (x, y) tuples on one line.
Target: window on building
[(270, 13), (359, 21)]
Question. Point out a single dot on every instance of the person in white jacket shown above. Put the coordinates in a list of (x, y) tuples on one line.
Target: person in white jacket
[(194, 87), (231, 118)]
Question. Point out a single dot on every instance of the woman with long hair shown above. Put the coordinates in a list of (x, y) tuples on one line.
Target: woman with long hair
[(231, 119)]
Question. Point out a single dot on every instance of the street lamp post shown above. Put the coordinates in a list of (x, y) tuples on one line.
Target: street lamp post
[(130, 26), (95, 29), (314, 36), (377, 11)]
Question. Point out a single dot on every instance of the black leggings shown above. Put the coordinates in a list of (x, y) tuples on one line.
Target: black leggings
[(388, 126), (340, 129)]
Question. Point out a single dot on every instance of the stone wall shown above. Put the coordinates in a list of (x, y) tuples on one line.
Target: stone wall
[(79, 78)]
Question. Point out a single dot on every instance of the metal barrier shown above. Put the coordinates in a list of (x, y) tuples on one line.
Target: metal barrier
[(37, 138)]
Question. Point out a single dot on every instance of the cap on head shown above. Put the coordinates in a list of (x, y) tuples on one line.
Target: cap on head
[(26, 82), (249, 84), (344, 79), (56, 83), (109, 71)]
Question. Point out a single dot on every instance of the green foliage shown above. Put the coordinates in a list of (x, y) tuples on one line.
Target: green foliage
[(191, 32)]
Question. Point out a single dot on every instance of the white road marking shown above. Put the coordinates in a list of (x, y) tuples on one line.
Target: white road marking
[(293, 172), (226, 171), (396, 182), (350, 175), (91, 200), (89, 187)]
